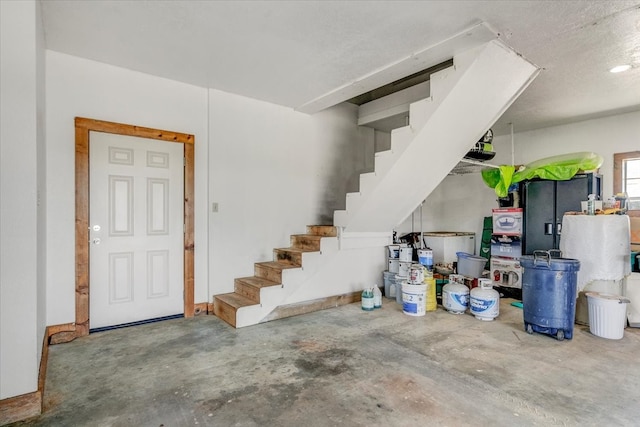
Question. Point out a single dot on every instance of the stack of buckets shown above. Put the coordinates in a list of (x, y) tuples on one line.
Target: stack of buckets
[(411, 284)]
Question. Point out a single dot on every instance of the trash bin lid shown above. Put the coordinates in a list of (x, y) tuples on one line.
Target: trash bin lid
[(555, 264)]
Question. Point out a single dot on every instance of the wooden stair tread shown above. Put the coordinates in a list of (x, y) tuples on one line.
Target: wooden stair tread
[(308, 236), (258, 282), (235, 300), (323, 230), (296, 250), (277, 265)]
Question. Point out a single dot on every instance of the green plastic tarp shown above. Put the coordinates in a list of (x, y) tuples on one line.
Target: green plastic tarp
[(557, 168)]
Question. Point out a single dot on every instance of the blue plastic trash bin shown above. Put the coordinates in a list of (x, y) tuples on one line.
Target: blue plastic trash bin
[(549, 294)]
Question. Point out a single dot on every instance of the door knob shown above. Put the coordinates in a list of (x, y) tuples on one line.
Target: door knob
[(96, 241)]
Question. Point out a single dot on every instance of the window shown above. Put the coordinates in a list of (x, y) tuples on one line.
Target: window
[(626, 170)]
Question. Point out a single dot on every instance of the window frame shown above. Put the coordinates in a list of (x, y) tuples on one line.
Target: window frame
[(618, 159)]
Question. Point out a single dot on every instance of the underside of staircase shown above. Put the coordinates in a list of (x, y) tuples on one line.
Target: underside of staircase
[(269, 274), (465, 100)]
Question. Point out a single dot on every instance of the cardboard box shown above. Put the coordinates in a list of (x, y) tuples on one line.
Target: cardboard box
[(506, 246), (506, 272), (507, 221)]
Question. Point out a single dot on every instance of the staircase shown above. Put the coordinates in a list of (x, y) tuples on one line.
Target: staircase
[(330, 264), (250, 292), (465, 101)]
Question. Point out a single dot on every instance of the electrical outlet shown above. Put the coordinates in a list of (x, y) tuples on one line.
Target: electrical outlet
[(214, 207)]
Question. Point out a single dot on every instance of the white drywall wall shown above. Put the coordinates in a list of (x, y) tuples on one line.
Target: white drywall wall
[(21, 314), (460, 202), (604, 136), (273, 171), (79, 87)]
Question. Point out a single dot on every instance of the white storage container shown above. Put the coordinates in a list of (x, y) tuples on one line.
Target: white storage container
[(445, 245), (607, 315), (632, 292)]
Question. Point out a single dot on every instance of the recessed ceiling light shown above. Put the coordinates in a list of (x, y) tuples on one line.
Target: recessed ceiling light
[(620, 68)]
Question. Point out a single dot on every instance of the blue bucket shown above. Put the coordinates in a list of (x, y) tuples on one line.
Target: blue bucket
[(549, 294)]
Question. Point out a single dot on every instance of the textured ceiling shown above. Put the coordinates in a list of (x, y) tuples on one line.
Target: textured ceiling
[(292, 52)]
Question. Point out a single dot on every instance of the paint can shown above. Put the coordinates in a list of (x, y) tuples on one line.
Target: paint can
[(406, 254), (393, 251), (484, 302), (425, 257), (394, 265), (416, 274), (414, 299), (404, 268)]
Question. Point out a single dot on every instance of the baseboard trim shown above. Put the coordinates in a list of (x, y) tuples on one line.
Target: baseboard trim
[(201, 308), (59, 334), (20, 408), (31, 405), (305, 307)]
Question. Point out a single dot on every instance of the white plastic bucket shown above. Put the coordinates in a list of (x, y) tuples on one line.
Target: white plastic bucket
[(414, 299), (387, 279), (607, 315)]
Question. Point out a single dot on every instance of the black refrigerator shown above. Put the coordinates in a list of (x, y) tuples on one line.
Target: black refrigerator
[(544, 202)]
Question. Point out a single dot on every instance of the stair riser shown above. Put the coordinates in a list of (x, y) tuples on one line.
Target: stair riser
[(367, 181), (322, 230), (251, 292), (224, 311), (306, 242), (383, 162), (282, 255), (268, 273)]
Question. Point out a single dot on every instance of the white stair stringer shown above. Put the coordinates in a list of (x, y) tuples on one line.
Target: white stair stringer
[(466, 100), (330, 272)]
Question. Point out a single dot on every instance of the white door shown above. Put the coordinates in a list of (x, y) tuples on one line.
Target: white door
[(136, 229)]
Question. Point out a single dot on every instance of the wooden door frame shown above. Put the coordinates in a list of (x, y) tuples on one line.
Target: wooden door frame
[(83, 127)]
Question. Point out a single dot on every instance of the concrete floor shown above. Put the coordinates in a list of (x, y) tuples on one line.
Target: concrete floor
[(344, 367)]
